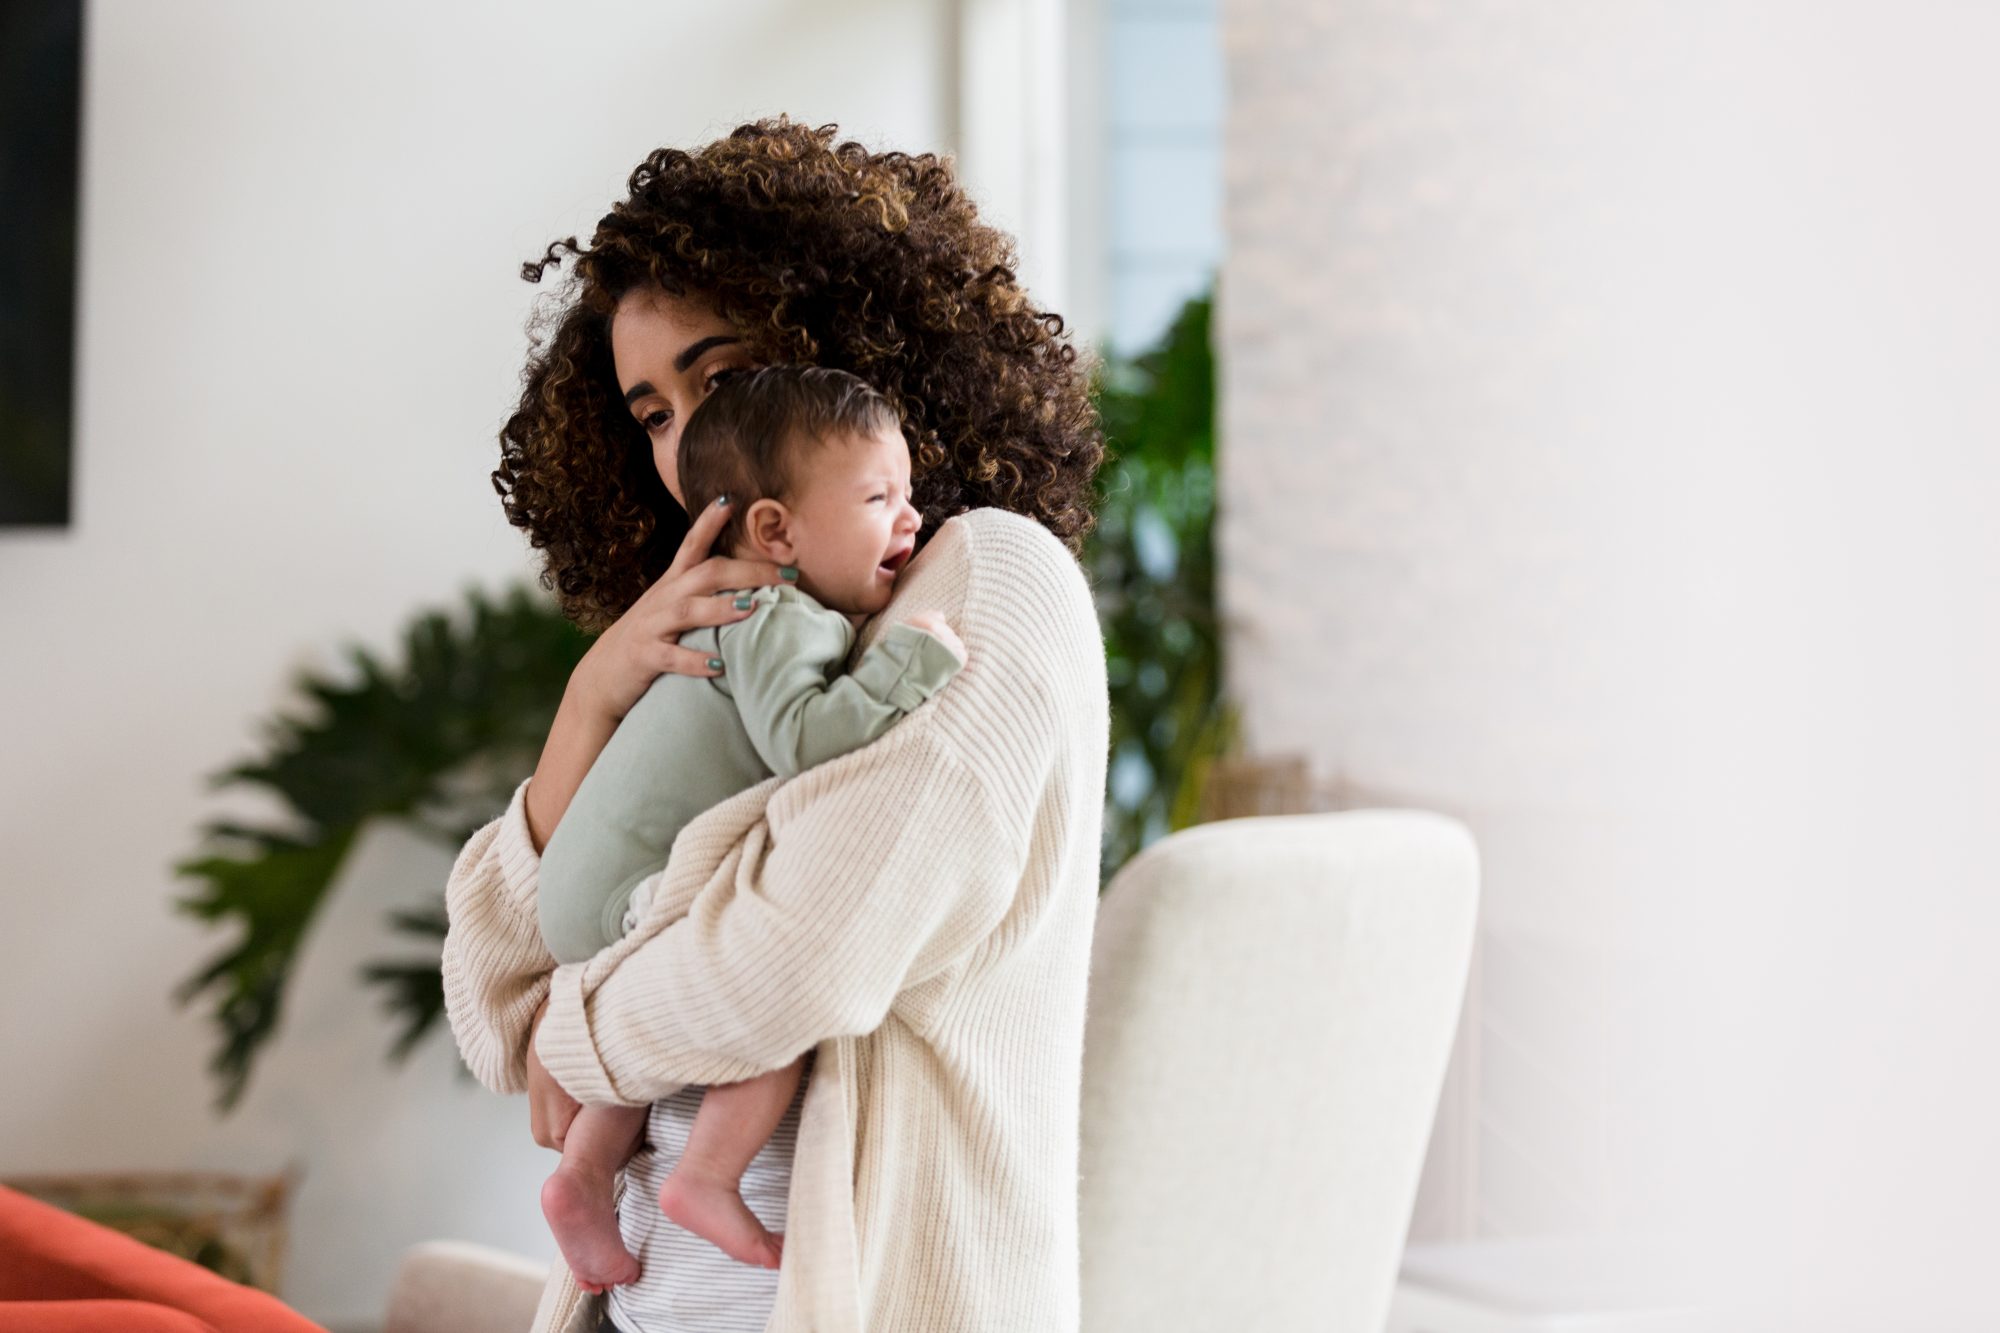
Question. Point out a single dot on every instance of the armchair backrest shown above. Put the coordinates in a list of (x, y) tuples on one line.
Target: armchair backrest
[(1272, 1005)]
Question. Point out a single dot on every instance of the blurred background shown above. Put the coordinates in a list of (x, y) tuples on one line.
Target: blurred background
[(1592, 437)]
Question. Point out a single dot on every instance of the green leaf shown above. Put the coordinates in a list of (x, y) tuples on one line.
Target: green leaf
[(436, 735), (1151, 561)]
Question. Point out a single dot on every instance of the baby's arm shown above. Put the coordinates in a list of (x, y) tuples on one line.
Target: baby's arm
[(778, 671)]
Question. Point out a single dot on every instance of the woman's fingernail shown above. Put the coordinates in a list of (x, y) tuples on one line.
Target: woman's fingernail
[(715, 664), (743, 602), (722, 502), (789, 573)]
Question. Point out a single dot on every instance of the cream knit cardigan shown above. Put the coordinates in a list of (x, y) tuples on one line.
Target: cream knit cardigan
[(919, 912)]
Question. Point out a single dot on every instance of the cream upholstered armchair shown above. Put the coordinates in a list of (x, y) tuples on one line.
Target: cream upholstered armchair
[(1272, 1005), (1272, 1001), (449, 1286)]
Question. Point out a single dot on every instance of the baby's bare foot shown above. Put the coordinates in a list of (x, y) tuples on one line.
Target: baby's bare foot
[(578, 1205), (713, 1209)]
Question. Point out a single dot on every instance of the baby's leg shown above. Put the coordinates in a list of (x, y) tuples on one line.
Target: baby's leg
[(703, 1194), (577, 1199)]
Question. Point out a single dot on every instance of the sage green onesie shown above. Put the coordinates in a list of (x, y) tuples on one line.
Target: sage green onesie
[(781, 705)]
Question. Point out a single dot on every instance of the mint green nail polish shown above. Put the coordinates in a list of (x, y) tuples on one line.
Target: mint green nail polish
[(789, 573), (715, 664), (742, 602), (721, 502)]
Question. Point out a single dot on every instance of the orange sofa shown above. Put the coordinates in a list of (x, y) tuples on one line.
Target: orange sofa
[(62, 1274)]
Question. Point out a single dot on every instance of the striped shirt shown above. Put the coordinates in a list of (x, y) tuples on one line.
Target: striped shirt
[(687, 1285)]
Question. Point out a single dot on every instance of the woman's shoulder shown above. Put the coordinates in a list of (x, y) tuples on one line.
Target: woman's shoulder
[(991, 563), (1004, 552), (1032, 693), (992, 526), (1025, 596)]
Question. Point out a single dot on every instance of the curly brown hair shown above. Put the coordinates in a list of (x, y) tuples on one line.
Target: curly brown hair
[(821, 253)]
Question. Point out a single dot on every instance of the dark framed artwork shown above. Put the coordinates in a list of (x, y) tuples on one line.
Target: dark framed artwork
[(41, 85)]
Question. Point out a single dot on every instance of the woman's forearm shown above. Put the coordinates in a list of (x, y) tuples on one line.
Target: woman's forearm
[(575, 740), (627, 657)]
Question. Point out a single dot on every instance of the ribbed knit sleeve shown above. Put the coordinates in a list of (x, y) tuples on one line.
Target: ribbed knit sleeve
[(880, 871), (496, 969)]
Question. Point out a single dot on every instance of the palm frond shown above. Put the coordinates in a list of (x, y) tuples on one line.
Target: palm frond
[(436, 735)]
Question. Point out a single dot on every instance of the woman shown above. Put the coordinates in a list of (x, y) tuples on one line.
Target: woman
[(917, 914)]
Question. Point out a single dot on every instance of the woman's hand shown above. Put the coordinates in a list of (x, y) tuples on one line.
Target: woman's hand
[(550, 1109), (645, 641), (629, 657)]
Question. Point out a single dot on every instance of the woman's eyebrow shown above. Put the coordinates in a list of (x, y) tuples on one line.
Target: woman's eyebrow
[(687, 358), (693, 353)]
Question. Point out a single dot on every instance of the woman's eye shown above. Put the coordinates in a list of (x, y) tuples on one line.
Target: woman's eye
[(718, 375), (656, 420)]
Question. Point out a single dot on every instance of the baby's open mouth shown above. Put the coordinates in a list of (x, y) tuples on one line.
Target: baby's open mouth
[(894, 564)]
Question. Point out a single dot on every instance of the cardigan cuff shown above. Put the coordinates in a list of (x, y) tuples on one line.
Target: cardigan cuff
[(563, 1042), (570, 1055)]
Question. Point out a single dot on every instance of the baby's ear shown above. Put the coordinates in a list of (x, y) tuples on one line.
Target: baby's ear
[(767, 530)]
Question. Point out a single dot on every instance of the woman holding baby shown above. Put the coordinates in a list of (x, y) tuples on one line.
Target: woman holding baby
[(914, 916)]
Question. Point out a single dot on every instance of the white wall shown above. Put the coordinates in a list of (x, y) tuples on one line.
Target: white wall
[(301, 326), (1610, 421)]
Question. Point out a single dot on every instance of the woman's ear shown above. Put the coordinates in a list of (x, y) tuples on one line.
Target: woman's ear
[(767, 530)]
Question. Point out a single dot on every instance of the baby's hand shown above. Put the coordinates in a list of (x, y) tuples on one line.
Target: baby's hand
[(933, 624)]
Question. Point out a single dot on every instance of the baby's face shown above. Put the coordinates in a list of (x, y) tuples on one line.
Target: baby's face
[(853, 527)]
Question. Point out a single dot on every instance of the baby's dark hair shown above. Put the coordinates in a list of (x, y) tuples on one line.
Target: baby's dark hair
[(744, 439)]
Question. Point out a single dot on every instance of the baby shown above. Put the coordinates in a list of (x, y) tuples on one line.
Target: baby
[(815, 466)]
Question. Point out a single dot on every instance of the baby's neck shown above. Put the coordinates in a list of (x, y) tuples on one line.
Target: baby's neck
[(854, 618)]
